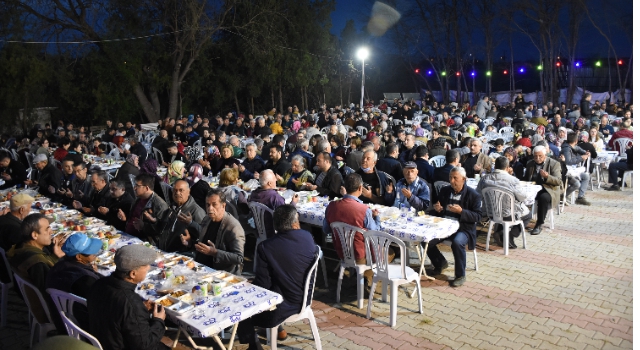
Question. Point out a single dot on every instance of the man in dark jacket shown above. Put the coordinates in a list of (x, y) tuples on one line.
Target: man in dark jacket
[(574, 155), (175, 220), (117, 315), (75, 272), (49, 177), (462, 203), (442, 173), (585, 106), (252, 165), (80, 186), (12, 172), (118, 200), (616, 170), (425, 170), (376, 182), (390, 164), (328, 178), (281, 273), (20, 206), (147, 204), (277, 162), (138, 149), (99, 194)]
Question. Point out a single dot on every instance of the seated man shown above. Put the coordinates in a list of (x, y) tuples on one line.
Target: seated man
[(76, 271), (49, 178), (118, 317), (413, 192), (476, 162), (268, 196), (99, 194), (12, 172), (616, 170), (425, 170), (252, 165), (500, 178), (118, 200), (174, 221), (30, 259), (277, 162), (352, 211), (574, 155), (220, 241), (80, 186), (19, 206), (376, 184), (442, 173), (548, 173), (328, 178), (137, 223), (461, 203), (390, 163), (281, 273)]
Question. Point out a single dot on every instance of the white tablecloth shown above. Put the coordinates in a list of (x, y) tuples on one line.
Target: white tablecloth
[(408, 228), (575, 171), (529, 188)]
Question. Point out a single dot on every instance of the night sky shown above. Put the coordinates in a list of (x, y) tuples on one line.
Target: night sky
[(591, 43)]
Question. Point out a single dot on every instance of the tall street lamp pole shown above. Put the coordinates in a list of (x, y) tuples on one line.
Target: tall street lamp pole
[(362, 54)]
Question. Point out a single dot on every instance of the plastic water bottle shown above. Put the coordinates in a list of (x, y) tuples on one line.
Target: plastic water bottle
[(397, 203), (196, 294)]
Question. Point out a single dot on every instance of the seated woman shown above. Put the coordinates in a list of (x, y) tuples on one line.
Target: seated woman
[(43, 147), (517, 168), (337, 146), (225, 161), (235, 195), (63, 150), (175, 172), (296, 176)]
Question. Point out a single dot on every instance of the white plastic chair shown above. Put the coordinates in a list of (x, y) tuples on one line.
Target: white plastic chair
[(506, 130), (628, 173), (437, 161), (419, 143), (5, 286), (489, 121), (363, 131), (38, 309), (396, 275), (306, 312), (258, 210), (485, 148), (64, 301), (76, 332), (495, 199), (115, 153), (324, 130), (621, 144), (397, 122), (550, 212), (346, 233), (158, 155), (438, 185)]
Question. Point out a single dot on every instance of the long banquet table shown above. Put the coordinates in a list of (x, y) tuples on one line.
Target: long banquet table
[(237, 300)]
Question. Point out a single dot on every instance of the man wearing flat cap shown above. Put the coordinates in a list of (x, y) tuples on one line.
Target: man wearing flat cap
[(49, 178), (117, 315), (412, 190)]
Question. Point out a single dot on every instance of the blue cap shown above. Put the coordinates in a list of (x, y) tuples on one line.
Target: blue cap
[(79, 243)]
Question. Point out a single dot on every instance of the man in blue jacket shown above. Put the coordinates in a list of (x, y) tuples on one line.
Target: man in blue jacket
[(281, 273), (462, 203)]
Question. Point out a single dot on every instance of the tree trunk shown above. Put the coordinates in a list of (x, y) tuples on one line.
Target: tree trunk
[(235, 98), (302, 96), (253, 107), (147, 107), (280, 92), (273, 99), (626, 78)]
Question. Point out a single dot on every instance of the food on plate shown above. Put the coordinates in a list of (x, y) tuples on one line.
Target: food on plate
[(147, 286), (180, 280), (178, 293), (191, 264), (166, 302)]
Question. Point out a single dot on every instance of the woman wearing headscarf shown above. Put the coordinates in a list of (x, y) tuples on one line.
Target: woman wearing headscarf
[(514, 164), (540, 130), (296, 176), (130, 167), (175, 172)]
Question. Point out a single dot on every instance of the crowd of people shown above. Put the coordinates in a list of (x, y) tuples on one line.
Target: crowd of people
[(378, 154)]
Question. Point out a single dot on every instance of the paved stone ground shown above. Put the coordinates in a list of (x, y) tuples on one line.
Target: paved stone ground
[(571, 288)]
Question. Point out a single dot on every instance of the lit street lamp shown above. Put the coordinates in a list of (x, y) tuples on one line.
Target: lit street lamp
[(362, 54)]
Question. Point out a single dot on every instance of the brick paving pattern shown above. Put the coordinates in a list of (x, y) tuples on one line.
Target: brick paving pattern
[(571, 289)]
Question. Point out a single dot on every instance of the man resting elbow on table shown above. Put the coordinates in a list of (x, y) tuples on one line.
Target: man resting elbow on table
[(462, 203), (220, 243)]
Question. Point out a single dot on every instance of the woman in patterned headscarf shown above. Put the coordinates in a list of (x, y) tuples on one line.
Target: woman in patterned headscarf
[(199, 189), (175, 172), (514, 163)]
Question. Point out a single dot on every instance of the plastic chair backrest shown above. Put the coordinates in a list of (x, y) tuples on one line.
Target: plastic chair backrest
[(29, 157), (506, 129), (166, 191), (64, 301), (362, 130), (346, 233), (198, 143), (377, 243), (158, 155), (115, 153), (76, 332), (391, 178), (485, 148), (258, 210), (419, 143), (428, 134), (397, 122), (324, 130), (111, 146), (35, 301), (437, 161), (7, 267), (496, 200), (348, 170), (310, 282), (132, 178), (438, 185), (621, 145)]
